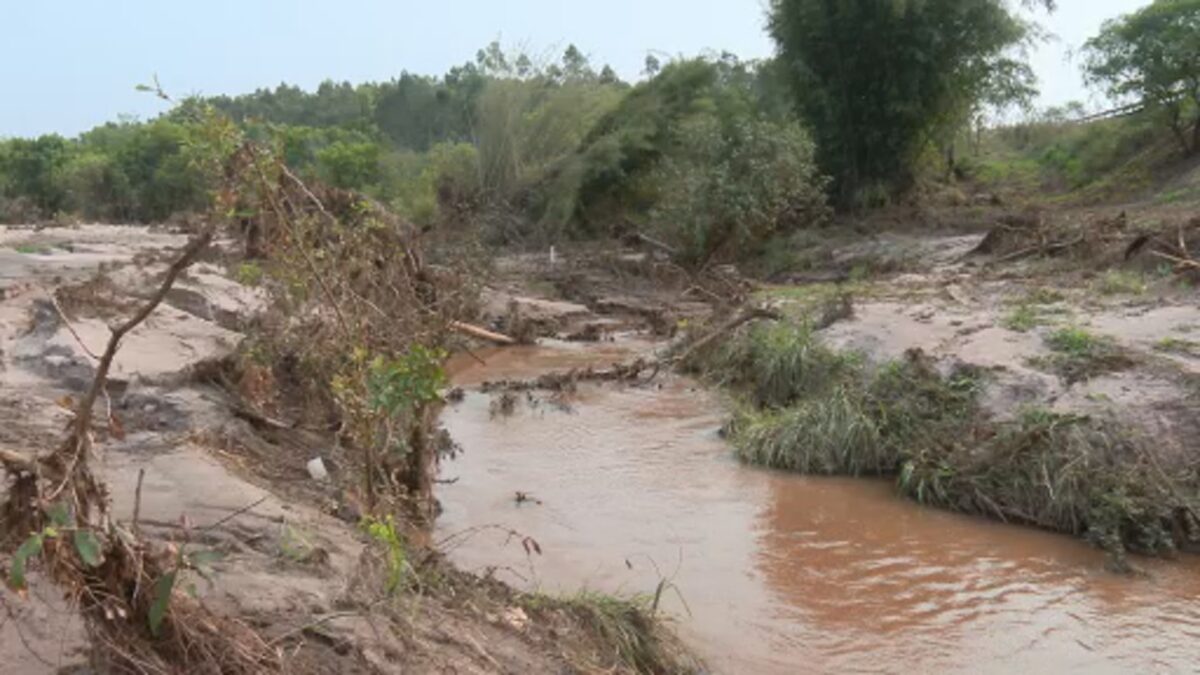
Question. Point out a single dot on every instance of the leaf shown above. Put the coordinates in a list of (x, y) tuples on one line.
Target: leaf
[(88, 547), (31, 547), (60, 516), (205, 557), (162, 600)]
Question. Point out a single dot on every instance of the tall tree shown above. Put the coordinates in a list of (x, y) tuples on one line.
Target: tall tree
[(1153, 56), (877, 80)]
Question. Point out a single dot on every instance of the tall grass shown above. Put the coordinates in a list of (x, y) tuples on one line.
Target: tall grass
[(775, 364), (810, 409), (1065, 473)]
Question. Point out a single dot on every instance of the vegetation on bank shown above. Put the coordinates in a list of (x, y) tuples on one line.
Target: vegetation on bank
[(714, 156), (808, 408)]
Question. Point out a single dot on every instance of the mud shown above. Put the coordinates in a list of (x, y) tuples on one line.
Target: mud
[(777, 573), (289, 565)]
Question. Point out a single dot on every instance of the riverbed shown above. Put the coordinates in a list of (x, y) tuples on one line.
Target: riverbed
[(767, 572)]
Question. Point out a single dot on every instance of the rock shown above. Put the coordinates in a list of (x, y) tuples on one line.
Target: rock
[(316, 469)]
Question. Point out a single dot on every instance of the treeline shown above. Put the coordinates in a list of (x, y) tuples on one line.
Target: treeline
[(864, 100), (706, 152)]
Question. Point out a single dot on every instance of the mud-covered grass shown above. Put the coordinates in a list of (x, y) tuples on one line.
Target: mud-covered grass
[(1068, 473), (1078, 355), (625, 634), (811, 409)]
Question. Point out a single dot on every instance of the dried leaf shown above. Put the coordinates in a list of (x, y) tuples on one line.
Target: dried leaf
[(116, 428)]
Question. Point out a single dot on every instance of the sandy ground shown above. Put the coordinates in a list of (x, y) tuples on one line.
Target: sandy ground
[(290, 567)]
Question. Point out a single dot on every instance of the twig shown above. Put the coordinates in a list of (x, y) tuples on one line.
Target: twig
[(83, 415), (233, 515), (67, 322), (744, 316), (311, 625), (137, 501)]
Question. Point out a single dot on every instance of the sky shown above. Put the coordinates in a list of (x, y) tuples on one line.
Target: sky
[(68, 65)]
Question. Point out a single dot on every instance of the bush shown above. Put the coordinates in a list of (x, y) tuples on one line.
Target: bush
[(727, 189)]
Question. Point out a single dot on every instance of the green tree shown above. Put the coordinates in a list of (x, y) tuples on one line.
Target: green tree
[(1153, 56), (354, 166), (33, 169), (880, 80)]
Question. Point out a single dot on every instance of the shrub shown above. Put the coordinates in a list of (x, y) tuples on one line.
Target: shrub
[(727, 189)]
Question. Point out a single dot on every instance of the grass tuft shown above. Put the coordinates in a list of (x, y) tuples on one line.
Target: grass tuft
[(1120, 282), (1079, 355), (630, 639), (777, 363)]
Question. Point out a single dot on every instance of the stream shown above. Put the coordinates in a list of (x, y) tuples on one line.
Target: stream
[(772, 572)]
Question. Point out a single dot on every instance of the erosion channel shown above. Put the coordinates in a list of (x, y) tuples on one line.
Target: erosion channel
[(624, 486)]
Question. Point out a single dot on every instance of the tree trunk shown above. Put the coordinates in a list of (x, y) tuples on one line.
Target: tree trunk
[(418, 479)]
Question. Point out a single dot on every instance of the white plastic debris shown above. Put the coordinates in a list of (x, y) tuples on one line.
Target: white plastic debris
[(316, 469)]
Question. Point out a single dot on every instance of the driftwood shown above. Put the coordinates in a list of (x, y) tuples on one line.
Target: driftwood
[(642, 238), (745, 316), (1043, 249), (482, 333)]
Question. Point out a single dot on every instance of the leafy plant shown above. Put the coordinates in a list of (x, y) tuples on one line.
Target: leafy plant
[(1153, 56), (395, 549), (1118, 282), (942, 60)]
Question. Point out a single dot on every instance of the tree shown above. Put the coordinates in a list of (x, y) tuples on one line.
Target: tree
[(34, 170), (879, 80), (1153, 56)]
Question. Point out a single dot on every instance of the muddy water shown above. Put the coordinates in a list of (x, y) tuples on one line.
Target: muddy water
[(779, 573)]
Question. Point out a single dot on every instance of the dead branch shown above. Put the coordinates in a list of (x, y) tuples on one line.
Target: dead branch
[(745, 316), (482, 333)]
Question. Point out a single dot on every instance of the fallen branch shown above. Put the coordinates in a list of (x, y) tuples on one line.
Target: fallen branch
[(482, 333), (745, 316), (1040, 248), (640, 237)]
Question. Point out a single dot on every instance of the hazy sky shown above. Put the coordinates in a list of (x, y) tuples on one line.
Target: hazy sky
[(67, 65)]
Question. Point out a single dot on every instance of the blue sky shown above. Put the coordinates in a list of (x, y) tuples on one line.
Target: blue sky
[(67, 65)]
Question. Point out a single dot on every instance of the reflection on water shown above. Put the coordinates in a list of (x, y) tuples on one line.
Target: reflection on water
[(781, 573)]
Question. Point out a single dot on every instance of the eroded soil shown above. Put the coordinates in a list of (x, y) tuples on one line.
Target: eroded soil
[(294, 563)]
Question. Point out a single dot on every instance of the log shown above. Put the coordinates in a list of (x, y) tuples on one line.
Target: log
[(482, 333)]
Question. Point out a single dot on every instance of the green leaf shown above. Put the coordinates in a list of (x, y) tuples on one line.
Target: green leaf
[(88, 547), (59, 515), (204, 558), (162, 600), (31, 547)]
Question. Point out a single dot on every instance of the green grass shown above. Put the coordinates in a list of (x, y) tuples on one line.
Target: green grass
[(1120, 282), (776, 363), (1172, 345), (30, 249), (808, 409), (1023, 319), (1079, 355), (1074, 341), (1061, 472)]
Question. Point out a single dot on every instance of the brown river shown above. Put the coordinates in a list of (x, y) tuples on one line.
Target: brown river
[(779, 573)]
